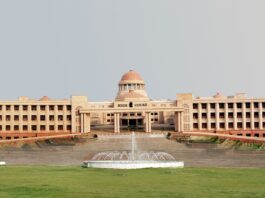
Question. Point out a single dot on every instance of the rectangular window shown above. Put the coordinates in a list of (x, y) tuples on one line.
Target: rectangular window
[(42, 108), (51, 107), (239, 114), (239, 105), (25, 107), (8, 118), (247, 105), (230, 115), (230, 105), (204, 125), (195, 106), (256, 105), (212, 115), (204, 115), (195, 115), (60, 117), (195, 125), (60, 127), (42, 117), (8, 107), (25, 118), (69, 107), (221, 115), (60, 107), (221, 105), (33, 108), (16, 128), (212, 105), (34, 128), (8, 127), (222, 125), (213, 125), (51, 118), (25, 127), (16, 108), (256, 115), (16, 118), (42, 127), (231, 125), (248, 125), (204, 106), (33, 117), (69, 118), (248, 114), (51, 127)]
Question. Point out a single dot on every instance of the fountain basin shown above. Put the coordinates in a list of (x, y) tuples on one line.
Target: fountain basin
[(133, 164)]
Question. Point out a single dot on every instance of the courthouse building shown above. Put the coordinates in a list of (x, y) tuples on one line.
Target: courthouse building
[(133, 110)]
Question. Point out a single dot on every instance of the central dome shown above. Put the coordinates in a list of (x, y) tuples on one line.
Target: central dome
[(131, 76), (131, 87)]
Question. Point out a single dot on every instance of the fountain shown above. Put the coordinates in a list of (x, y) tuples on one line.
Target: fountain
[(133, 159)]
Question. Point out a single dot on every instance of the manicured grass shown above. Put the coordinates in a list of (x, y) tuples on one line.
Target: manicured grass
[(60, 181)]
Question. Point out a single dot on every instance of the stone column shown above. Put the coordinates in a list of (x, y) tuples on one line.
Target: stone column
[(82, 123), (217, 117), (88, 122), (252, 115), (181, 121), (244, 116), (260, 116), (199, 116), (147, 122), (116, 122), (208, 116), (235, 116), (226, 116), (176, 121)]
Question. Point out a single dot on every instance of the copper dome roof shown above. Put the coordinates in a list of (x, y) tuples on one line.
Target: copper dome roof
[(131, 76)]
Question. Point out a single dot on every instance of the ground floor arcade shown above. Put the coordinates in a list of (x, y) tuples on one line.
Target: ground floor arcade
[(144, 120)]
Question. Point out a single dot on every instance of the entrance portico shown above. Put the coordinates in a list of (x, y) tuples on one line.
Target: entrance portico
[(86, 121)]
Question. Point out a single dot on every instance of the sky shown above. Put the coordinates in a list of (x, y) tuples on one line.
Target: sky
[(61, 48)]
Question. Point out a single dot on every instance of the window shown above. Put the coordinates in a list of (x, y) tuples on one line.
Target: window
[(69, 118), (42, 117), (51, 118), (60, 117), (195, 115), (256, 105), (8, 118), (256, 114), (130, 104), (222, 125), (239, 125), (204, 106), (248, 125), (69, 107), (204, 125), (221, 105), (230, 125), (221, 115), (42, 107), (25, 107), (60, 127), (204, 115), (212, 105), (239, 105), (239, 114), (213, 125), (25, 118), (230, 115), (8, 108), (16, 108), (247, 105), (16, 118), (33, 127), (195, 125), (51, 127), (33, 117), (51, 108), (16, 128), (256, 125), (8, 127), (60, 107), (248, 114), (42, 127), (212, 115), (0, 117), (69, 128), (25, 127), (230, 105), (195, 106), (33, 108)]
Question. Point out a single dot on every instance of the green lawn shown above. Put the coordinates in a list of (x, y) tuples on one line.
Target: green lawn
[(61, 181)]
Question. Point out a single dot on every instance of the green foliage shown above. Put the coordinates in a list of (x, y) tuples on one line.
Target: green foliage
[(56, 181)]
